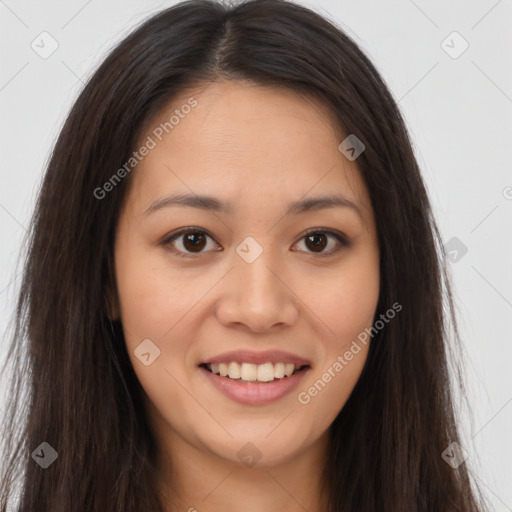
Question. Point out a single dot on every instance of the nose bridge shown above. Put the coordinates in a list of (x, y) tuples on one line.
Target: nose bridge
[(258, 297), (253, 263)]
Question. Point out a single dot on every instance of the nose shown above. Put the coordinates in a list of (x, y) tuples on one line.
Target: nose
[(258, 297)]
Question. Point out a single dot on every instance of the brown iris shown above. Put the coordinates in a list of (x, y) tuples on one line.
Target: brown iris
[(316, 241), (194, 241)]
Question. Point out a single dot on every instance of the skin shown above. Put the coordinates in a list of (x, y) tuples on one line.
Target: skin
[(260, 148)]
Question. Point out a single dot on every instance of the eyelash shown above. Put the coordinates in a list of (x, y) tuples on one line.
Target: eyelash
[(167, 242)]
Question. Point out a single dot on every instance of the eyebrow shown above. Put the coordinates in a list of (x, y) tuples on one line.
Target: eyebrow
[(211, 203)]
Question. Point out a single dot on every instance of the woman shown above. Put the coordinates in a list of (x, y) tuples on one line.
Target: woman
[(233, 295)]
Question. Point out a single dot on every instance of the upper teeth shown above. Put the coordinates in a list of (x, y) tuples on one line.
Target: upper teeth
[(248, 371)]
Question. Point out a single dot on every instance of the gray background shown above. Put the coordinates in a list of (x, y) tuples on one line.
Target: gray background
[(458, 111)]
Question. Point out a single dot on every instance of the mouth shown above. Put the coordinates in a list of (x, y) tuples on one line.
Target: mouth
[(245, 372), (255, 378)]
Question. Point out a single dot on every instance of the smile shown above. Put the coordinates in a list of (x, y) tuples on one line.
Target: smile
[(255, 378), (249, 372)]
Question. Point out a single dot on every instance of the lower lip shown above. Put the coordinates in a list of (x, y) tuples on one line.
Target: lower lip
[(253, 392)]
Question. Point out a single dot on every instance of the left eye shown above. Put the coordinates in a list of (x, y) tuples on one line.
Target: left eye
[(195, 241), (318, 240)]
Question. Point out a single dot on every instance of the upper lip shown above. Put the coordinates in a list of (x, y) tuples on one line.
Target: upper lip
[(250, 356)]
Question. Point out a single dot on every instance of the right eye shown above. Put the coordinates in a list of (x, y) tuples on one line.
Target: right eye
[(188, 241)]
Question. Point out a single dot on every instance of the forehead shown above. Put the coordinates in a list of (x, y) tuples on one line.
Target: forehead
[(239, 140)]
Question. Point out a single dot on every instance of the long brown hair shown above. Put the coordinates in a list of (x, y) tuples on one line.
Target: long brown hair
[(73, 386)]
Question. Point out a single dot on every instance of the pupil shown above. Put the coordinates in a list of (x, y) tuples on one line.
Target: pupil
[(194, 241), (315, 239)]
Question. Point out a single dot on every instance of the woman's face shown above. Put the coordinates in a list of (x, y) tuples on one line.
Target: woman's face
[(247, 291)]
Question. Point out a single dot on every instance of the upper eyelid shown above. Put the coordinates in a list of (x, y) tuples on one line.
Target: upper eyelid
[(184, 231), (168, 239)]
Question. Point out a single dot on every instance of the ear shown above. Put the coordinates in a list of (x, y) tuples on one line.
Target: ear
[(112, 303), (111, 299)]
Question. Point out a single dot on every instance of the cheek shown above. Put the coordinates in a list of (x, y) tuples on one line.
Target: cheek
[(325, 394), (350, 300), (348, 313), (348, 309), (154, 303), (152, 299)]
